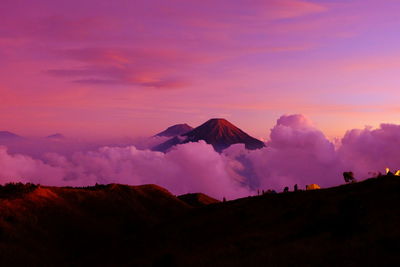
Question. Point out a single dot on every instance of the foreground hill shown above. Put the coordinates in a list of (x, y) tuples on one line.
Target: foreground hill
[(350, 225), (68, 226), (219, 133), (198, 199)]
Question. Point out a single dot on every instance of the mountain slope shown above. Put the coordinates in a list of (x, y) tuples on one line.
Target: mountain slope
[(56, 136), (350, 225), (219, 133), (59, 226), (197, 199), (167, 145), (8, 135), (175, 130), (115, 225)]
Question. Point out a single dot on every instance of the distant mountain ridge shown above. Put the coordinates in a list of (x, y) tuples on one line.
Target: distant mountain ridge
[(175, 130), (8, 135), (56, 136), (218, 132)]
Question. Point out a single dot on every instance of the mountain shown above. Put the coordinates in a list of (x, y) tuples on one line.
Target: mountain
[(198, 199), (219, 133), (56, 136), (117, 225), (340, 226), (175, 130), (165, 146), (60, 226), (8, 135)]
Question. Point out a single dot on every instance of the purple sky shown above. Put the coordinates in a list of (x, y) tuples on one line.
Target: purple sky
[(99, 68)]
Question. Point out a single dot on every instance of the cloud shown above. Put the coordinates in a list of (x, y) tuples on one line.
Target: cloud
[(222, 11), (285, 9), (22, 168), (149, 44), (54, 28), (153, 82), (371, 150), (297, 153), (158, 69), (191, 167)]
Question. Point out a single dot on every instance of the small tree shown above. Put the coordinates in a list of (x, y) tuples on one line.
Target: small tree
[(349, 177)]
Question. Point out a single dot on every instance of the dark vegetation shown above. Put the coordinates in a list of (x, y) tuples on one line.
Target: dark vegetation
[(351, 225), (16, 190), (198, 199)]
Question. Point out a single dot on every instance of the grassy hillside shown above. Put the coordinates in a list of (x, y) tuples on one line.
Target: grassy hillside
[(350, 225), (198, 199), (53, 226)]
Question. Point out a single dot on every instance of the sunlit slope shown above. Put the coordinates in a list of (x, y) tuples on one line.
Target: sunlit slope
[(50, 225)]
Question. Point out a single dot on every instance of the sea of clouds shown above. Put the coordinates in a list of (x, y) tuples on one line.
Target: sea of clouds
[(296, 153)]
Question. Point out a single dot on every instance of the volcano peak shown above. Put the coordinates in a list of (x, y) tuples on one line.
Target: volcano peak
[(218, 132)]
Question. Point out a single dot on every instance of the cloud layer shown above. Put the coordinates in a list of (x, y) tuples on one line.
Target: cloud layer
[(297, 153)]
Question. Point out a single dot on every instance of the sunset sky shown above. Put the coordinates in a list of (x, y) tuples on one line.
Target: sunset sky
[(98, 68)]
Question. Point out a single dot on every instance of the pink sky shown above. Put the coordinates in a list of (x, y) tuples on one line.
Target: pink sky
[(99, 68)]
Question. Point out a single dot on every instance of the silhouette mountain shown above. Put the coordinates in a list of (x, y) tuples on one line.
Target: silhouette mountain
[(198, 199), (118, 225), (56, 136), (219, 133), (8, 135), (165, 146), (175, 130)]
